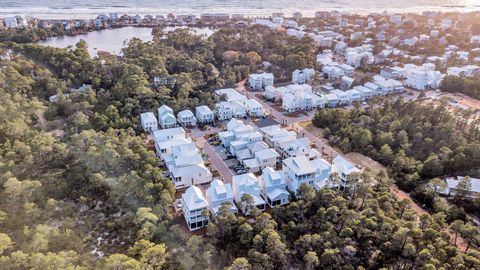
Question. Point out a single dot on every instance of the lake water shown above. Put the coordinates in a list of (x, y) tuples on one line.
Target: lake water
[(112, 40), (250, 8)]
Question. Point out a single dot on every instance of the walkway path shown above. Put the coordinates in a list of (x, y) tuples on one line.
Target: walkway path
[(215, 160), (325, 148)]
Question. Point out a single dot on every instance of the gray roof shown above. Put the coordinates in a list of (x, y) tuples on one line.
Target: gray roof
[(344, 165), (203, 110), (194, 199), (299, 165), (266, 154), (452, 183)]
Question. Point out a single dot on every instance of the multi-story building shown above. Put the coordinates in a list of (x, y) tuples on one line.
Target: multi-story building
[(194, 207), (247, 184), (149, 122), (273, 187)]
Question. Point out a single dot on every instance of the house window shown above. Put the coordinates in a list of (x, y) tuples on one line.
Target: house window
[(193, 225)]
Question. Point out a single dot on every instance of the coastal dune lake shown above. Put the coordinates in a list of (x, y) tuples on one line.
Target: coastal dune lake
[(111, 40)]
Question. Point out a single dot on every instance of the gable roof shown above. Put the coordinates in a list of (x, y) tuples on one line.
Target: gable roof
[(164, 109), (204, 109), (271, 177), (231, 94), (163, 134), (218, 190), (343, 165), (257, 146), (299, 165), (189, 170), (276, 193), (194, 199), (253, 103), (234, 123), (266, 154), (185, 114), (452, 183), (321, 164), (247, 179), (148, 117)]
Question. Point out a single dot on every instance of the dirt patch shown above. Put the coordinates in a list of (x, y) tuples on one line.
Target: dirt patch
[(468, 101), (366, 162), (277, 107), (308, 126), (180, 220)]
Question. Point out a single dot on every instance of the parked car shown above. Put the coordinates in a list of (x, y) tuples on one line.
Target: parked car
[(179, 204), (241, 171)]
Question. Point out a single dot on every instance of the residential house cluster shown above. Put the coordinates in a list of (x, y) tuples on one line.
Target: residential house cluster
[(465, 71), (269, 185), (321, 38), (14, 22), (422, 77), (238, 136), (287, 143), (236, 105), (260, 81), (302, 76), (166, 118), (181, 157), (331, 69), (357, 56), (295, 97), (302, 98)]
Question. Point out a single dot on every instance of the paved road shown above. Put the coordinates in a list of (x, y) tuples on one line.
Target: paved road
[(293, 123), (321, 146), (215, 160)]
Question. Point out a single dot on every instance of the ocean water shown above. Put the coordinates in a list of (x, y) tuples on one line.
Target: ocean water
[(250, 8)]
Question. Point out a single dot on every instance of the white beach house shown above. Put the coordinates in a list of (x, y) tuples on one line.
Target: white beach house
[(247, 184), (273, 187), (149, 122), (194, 206), (166, 117), (186, 118), (220, 193), (204, 114)]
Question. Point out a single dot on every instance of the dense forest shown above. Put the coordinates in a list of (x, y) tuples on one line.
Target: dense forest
[(418, 142), (28, 35), (469, 86), (79, 190)]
